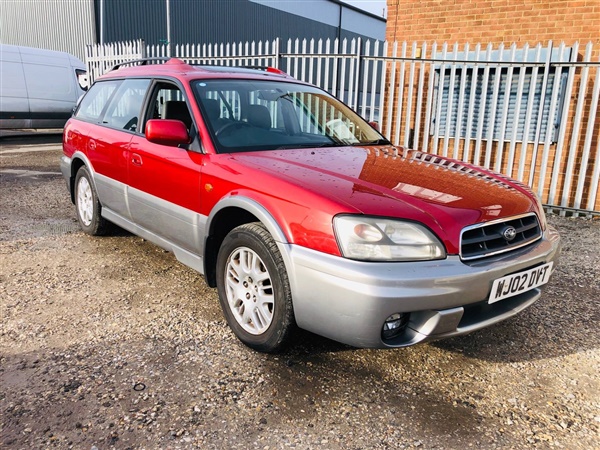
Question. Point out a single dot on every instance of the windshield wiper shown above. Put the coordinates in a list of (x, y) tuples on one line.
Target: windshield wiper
[(308, 145), (374, 142)]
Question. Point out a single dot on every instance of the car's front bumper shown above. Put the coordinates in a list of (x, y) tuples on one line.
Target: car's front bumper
[(349, 301)]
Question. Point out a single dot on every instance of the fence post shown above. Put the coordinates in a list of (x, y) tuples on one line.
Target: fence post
[(563, 125), (359, 59), (577, 128), (595, 180), (277, 53), (538, 127)]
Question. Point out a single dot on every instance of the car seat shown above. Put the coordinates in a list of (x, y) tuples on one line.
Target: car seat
[(259, 116), (178, 110)]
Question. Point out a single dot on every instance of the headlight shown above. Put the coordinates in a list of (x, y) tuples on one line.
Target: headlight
[(377, 239)]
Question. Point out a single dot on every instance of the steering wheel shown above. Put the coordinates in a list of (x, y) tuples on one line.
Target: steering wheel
[(229, 125), (131, 125)]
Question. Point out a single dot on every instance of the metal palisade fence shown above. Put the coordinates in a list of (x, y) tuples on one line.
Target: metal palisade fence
[(528, 112)]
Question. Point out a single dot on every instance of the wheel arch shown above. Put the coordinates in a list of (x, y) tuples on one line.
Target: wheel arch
[(228, 214), (78, 160)]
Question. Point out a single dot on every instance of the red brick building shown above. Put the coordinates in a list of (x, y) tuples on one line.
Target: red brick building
[(523, 22)]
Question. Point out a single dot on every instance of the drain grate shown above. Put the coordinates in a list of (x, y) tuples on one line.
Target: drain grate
[(52, 228)]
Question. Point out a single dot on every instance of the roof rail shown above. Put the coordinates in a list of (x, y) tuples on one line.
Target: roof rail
[(267, 69), (174, 60), (140, 62)]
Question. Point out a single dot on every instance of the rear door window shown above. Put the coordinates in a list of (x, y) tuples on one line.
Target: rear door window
[(124, 109)]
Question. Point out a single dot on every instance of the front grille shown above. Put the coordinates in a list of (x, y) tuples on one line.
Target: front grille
[(487, 239)]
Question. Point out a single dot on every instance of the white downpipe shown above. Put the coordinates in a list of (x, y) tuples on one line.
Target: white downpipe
[(168, 27), (101, 22)]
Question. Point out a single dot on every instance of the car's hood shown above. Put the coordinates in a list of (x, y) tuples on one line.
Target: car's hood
[(445, 194)]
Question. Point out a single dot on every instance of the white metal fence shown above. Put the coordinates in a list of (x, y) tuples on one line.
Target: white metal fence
[(529, 112)]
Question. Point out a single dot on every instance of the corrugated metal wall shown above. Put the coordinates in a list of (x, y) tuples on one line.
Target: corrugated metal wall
[(64, 25), (207, 21), (70, 25)]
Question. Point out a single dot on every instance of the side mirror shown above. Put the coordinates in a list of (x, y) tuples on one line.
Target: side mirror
[(375, 125), (82, 79), (167, 132)]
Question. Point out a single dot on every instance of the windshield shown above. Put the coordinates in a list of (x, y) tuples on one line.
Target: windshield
[(250, 115)]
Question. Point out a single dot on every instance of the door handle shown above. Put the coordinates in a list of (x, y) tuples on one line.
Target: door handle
[(136, 159)]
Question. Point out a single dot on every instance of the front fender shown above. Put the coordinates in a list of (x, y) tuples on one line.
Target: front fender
[(244, 210), (254, 208)]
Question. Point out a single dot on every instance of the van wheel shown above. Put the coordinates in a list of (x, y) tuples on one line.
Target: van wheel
[(254, 289), (87, 205)]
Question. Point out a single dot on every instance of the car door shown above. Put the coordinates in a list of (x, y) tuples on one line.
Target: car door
[(115, 110), (165, 181)]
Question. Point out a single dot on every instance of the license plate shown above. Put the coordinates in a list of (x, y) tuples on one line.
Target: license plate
[(516, 283)]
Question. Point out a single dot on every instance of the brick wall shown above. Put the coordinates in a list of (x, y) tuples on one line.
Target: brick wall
[(494, 21)]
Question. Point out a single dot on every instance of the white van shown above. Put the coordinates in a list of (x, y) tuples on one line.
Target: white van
[(38, 88)]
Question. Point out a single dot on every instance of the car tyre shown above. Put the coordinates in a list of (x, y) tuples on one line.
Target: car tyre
[(87, 205), (254, 289)]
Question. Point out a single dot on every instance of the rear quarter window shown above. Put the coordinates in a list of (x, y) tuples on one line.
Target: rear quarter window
[(94, 102)]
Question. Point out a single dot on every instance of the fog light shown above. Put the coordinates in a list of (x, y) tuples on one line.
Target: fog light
[(394, 325)]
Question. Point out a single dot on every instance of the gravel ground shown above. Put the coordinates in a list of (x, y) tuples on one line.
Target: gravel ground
[(111, 343)]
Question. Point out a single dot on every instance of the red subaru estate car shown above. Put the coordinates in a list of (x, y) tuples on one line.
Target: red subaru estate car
[(298, 211)]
